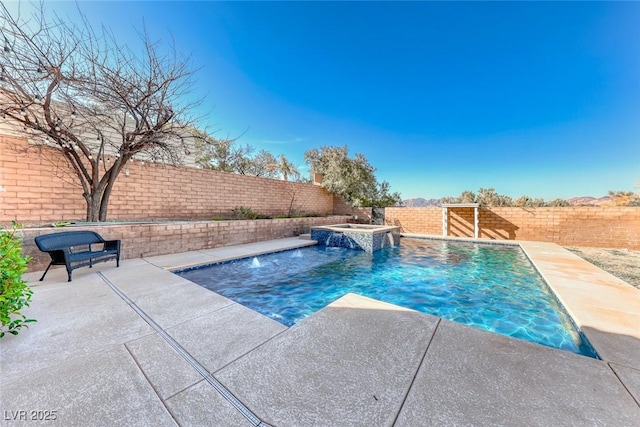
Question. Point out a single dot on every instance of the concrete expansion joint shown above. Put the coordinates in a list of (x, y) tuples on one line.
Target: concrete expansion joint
[(622, 382), (231, 362), (415, 375), (149, 381), (221, 389)]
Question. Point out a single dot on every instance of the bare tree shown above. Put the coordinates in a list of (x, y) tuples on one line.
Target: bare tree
[(84, 93), (289, 193)]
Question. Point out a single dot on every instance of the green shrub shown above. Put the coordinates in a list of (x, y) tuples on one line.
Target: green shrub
[(14, 292), (297, 215), (240, 212)]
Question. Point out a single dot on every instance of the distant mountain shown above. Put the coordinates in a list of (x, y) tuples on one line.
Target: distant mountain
[(421, 203), (589, 201)]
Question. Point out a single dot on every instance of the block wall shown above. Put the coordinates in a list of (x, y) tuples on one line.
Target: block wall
[(415, 220), (144, 240), (341, 207), (36, 187), (606, 227), (460, 222)]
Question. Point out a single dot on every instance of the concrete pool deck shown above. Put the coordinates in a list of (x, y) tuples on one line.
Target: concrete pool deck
[(138, 345)]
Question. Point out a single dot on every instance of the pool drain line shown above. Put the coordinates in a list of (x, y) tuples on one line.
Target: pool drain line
[(239, 406)]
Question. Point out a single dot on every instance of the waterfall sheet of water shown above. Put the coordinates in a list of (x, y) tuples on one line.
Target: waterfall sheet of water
[(390, 239), (337, 239)]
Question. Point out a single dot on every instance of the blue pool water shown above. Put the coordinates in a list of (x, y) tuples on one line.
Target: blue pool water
[(492, 287)]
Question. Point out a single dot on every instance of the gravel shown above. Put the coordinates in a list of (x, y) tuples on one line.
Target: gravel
[(622, 263)]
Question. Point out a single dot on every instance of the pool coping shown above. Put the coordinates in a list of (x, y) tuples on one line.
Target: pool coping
[(357, 228), (608, 316)]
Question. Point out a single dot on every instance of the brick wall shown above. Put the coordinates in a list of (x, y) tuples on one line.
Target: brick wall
[(415, 220), (143, 240), (460, 222), (607, 227), (341, 207), (36, 187)]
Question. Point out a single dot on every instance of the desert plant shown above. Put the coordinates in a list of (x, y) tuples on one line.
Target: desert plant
[(14, 292), (241, 212), (297, 215)]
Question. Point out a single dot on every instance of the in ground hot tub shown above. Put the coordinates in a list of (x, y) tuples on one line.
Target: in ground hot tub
[(364, 237)]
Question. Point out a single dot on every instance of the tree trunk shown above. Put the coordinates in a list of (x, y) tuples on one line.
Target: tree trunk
[(104, 202), (108, 187), (93, 206)]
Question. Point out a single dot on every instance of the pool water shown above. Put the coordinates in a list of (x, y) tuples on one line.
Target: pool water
[(492, 287)]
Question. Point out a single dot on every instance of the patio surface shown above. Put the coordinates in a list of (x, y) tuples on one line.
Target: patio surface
[(138, 345)]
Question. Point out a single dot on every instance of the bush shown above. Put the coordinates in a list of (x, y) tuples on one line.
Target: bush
[(14, 292), (240, 212), (298, 215)]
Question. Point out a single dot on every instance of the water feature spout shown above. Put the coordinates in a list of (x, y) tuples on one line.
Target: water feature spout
[(296, 254), (340, 240), (368, 238), (392, 242), (334, 239), (255, 263)]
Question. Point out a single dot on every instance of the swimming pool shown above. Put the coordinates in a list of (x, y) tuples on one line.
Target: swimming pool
[(493, 287)]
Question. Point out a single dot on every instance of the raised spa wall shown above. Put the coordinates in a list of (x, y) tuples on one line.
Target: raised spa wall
[(368, 238)]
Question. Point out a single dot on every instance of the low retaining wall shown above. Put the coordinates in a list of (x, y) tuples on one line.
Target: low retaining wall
[(144, 240), (604, 227)]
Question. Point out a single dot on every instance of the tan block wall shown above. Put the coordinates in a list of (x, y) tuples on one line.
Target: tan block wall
[(144, 240), (460, 222), (606, 227), (341, 207), (36, 187), (415, 220)]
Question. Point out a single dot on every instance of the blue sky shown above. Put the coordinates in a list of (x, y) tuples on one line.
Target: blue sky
[(535, 98)]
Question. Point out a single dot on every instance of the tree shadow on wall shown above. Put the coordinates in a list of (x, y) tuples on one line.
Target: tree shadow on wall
[(494, 226), (459, 226), (460, 221)]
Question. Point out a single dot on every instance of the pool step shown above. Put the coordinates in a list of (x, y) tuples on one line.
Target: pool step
[(306, 236)]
